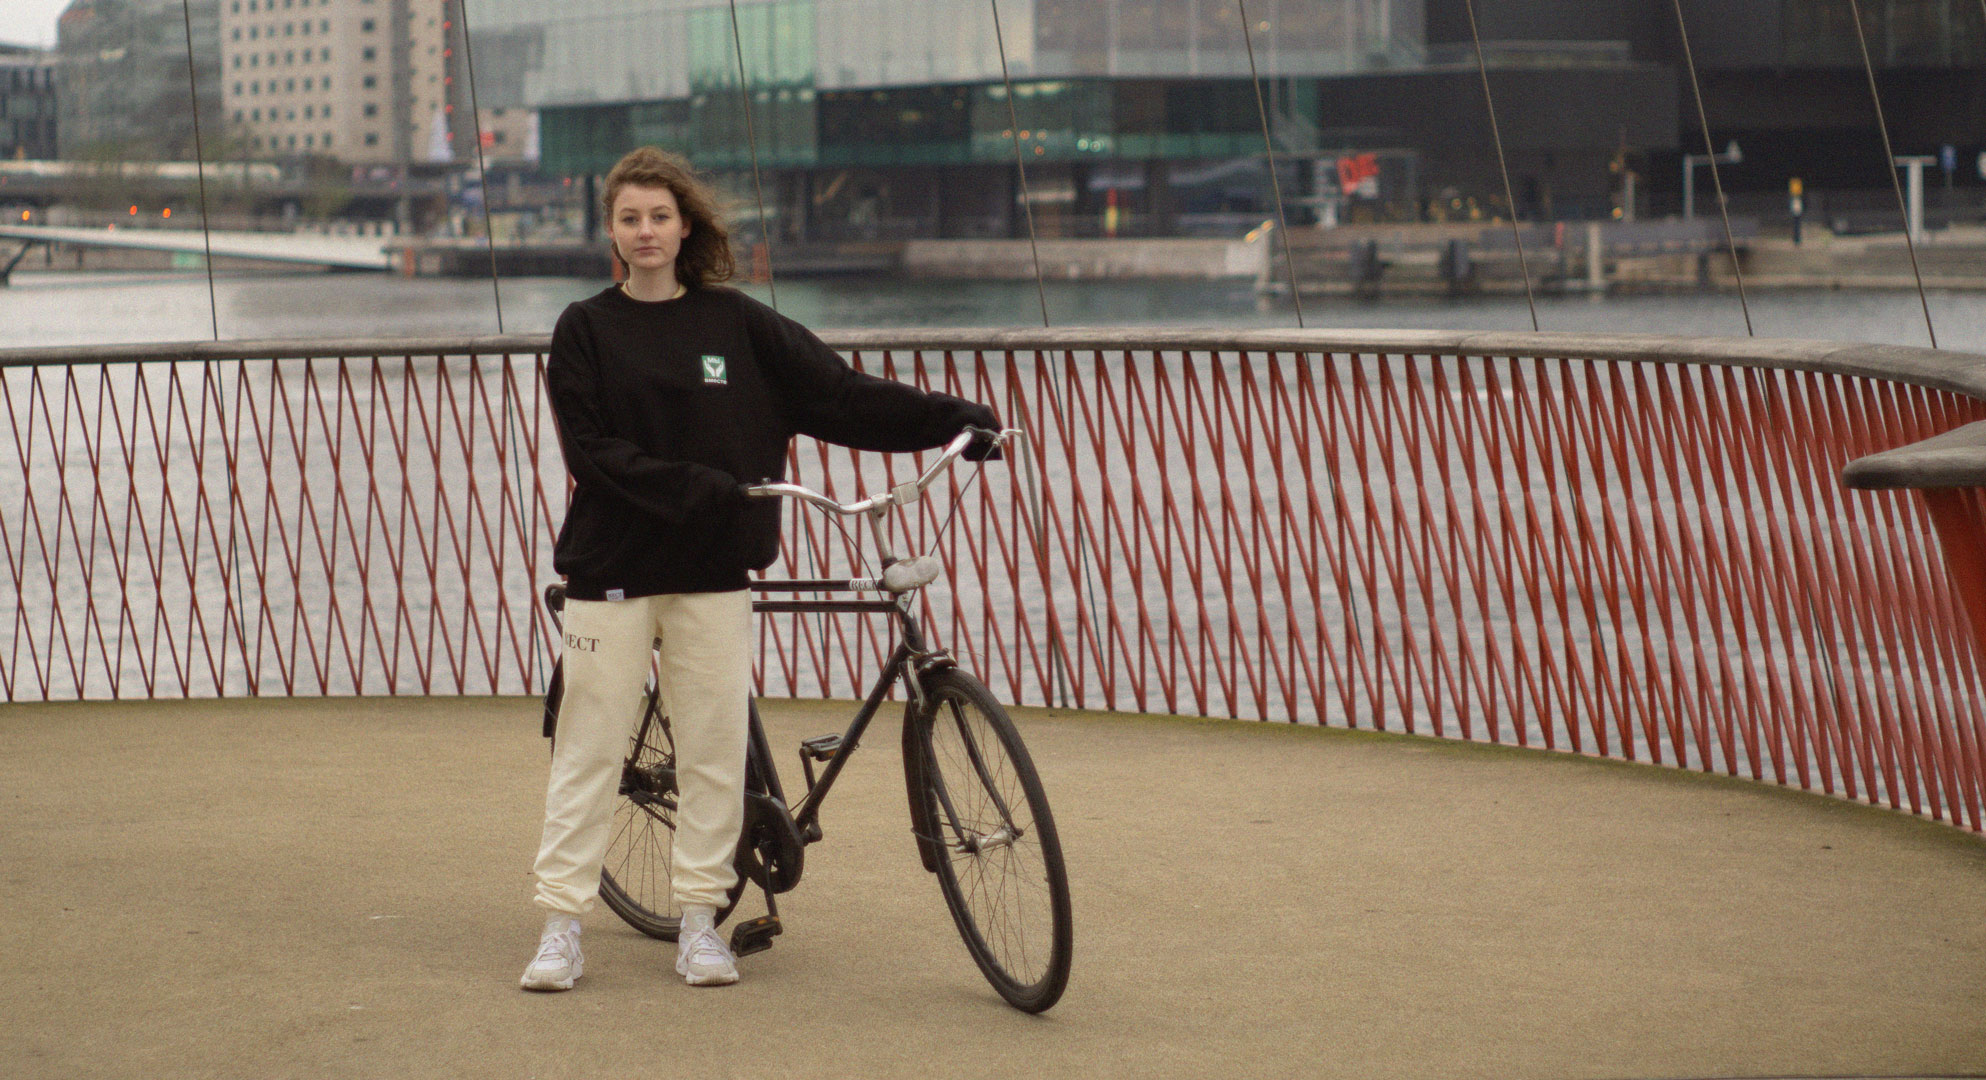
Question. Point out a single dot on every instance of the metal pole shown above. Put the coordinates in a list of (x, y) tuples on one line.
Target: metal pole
[(1689, 187), (1914, 173)]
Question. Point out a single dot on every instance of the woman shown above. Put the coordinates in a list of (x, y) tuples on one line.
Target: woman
[(671, 394)]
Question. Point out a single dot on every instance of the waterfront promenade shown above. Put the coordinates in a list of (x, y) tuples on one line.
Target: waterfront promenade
[(339, 888)]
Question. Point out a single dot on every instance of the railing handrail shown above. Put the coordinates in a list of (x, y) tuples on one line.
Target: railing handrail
[(1963, 373)]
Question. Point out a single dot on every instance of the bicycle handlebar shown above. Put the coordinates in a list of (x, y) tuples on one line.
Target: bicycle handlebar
[(900, 495)]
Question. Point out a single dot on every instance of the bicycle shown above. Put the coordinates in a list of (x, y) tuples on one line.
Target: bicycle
[(978, 812)]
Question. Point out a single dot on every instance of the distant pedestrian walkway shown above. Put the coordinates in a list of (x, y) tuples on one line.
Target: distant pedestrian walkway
[(339, 888)]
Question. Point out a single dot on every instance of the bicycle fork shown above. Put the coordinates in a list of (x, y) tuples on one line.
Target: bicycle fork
[(919, 773)]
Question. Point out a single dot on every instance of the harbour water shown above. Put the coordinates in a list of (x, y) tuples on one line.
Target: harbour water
[(45, 308)]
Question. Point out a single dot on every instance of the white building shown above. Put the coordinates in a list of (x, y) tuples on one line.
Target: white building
[(363, 81)]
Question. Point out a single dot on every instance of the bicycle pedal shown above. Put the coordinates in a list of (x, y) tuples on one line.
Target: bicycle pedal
[(821, 747), (755, 935)]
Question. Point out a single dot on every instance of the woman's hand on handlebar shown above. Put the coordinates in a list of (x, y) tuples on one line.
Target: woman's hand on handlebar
[(985, 426)]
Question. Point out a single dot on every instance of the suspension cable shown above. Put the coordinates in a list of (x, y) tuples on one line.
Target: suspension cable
[(482, 171), (1020, 166), (1296, 292), (511, 417), (1889, 162), (1710, 152), (231, 580), (1033, 473), (200, 165), (752, 142), (1269, 145), (1496, 134)]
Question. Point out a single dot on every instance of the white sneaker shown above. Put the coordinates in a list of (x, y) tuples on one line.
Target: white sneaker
[(702, 958), (559, 961)]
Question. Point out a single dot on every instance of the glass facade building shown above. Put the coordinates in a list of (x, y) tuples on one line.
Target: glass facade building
[(123, 77), (917, 82)]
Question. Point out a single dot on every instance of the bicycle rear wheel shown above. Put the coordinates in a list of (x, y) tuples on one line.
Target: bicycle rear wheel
[(637, 876), (999, 860)]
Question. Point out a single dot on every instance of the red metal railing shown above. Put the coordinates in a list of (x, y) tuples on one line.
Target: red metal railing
[(1636, 548)]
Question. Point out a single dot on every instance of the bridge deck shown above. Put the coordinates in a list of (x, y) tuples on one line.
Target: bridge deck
[(303, 249), (339, 888)]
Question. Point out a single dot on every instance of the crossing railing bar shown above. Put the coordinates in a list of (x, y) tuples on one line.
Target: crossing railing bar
[(1737, 438), (336, 423), (1105, 417), (1154, 523), (1890, 746), (1921, 749), (189, 556), (1655, 562), (98, 514), (127, 626), (1535, 567), (1461, 574), (1439, 562), (1548, 553), (1794, 483), (1871, 739), (1939, 761), (1583, 546), (474, 515), (1403, 567), (1125, 537), (1703, 401), (1501, 687), (1620, 425), (1317, 654), (1847, 691), (1219, 415), (1813, 588)]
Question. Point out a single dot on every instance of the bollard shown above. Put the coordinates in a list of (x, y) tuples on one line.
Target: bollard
[(1366, 266), (1457, 269), (1596, 259)]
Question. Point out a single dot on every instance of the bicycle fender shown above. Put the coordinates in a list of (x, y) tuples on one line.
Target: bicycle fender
[(922, 826), (554, 693)]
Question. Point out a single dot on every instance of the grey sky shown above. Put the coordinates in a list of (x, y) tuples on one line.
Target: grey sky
[(29, 22)]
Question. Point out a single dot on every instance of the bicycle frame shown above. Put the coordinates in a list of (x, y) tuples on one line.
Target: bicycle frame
[(908, 659)]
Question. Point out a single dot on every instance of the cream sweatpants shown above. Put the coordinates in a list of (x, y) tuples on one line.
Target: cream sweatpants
[(705, 677)]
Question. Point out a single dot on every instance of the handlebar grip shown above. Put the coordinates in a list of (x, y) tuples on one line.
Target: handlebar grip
[(985, 445)]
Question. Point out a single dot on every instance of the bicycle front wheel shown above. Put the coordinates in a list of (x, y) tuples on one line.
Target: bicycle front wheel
[(999, 859)]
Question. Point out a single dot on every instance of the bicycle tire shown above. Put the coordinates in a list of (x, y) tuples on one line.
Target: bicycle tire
[(636, 878), (975, 782)]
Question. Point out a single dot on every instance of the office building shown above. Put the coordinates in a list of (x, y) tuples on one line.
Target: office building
[(368, 82), (28, 87)]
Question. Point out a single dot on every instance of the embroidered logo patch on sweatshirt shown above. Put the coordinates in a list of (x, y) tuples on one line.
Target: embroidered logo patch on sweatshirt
[(713, 370)]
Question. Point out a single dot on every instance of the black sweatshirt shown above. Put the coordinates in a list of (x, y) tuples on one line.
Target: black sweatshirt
[(665, 409)]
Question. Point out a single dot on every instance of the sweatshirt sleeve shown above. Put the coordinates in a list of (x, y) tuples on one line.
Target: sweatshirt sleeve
[(674, 491), (824, 397)]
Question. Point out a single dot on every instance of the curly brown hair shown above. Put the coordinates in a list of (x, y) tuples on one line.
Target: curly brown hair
[(706, 255)]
